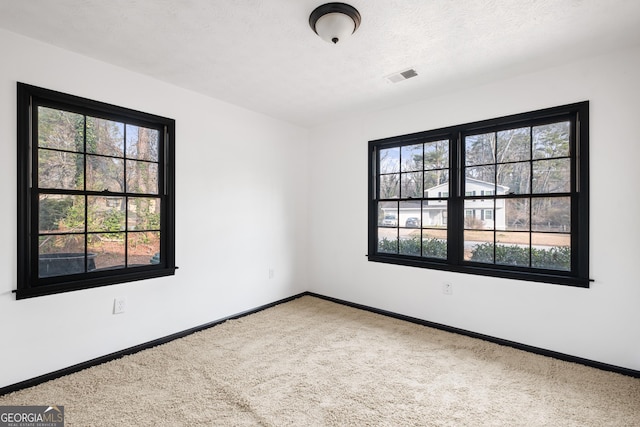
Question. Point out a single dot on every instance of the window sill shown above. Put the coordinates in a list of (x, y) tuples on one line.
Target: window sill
[(475, 269), (84, 282)]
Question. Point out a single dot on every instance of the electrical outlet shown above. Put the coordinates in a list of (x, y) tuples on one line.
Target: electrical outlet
[(447, 289), (119, 305), (272, 273)]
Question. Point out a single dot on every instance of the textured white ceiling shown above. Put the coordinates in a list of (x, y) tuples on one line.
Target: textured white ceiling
[(262, 54)]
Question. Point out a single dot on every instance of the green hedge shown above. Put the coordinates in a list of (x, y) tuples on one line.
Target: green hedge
[(433, 248), (555, 258)]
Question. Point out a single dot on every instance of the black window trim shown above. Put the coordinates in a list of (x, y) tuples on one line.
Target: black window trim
[(29, 97), (579, 274)]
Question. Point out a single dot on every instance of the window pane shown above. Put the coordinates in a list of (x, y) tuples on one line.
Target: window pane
[(478, 246), (515, 178), (434, 233), (480, 149), (389, 160), (480, 175), (108, 249), (388, 214), (514, 145), (437, 178), (412, 222), (409, 243), (521, 238), (61, 255), (474, 218), (551, 250), (551, 140), (552, 176), (105, 137), (60, 170), (143, 248), (409, 210), (390, 186), (144, 213), (512, 249), (487, 215), (60, 129), (551, 214), (142, 177), (411, 185), (61, 213), (434, 213), (436, 155), (484, 211), (412, 158), (388, 240), (434, 243), (516, 214), (105, 173), (106, 214), (142, 143)]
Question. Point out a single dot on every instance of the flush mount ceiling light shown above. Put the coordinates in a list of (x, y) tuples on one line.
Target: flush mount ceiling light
[(334, 22)]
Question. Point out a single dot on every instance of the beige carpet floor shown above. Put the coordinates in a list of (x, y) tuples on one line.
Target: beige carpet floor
[(310, 362)]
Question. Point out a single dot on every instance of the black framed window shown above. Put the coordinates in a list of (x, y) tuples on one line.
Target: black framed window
[(95, 193), (505, 197)]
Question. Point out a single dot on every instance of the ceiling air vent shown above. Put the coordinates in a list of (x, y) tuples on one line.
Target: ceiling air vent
[(402, 75)]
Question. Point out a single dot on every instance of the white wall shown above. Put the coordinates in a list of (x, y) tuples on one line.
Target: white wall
[(601, 323), (229, 161)]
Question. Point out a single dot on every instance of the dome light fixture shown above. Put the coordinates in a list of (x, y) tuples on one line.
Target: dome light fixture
[(334, 22)]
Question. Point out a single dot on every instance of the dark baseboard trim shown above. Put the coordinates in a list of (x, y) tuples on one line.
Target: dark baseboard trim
[(135, 349), (519, 346)]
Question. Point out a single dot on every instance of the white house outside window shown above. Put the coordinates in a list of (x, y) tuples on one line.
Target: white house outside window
[(505, 197)]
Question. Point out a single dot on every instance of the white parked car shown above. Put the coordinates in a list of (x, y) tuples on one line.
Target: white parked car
[(390, 220)]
